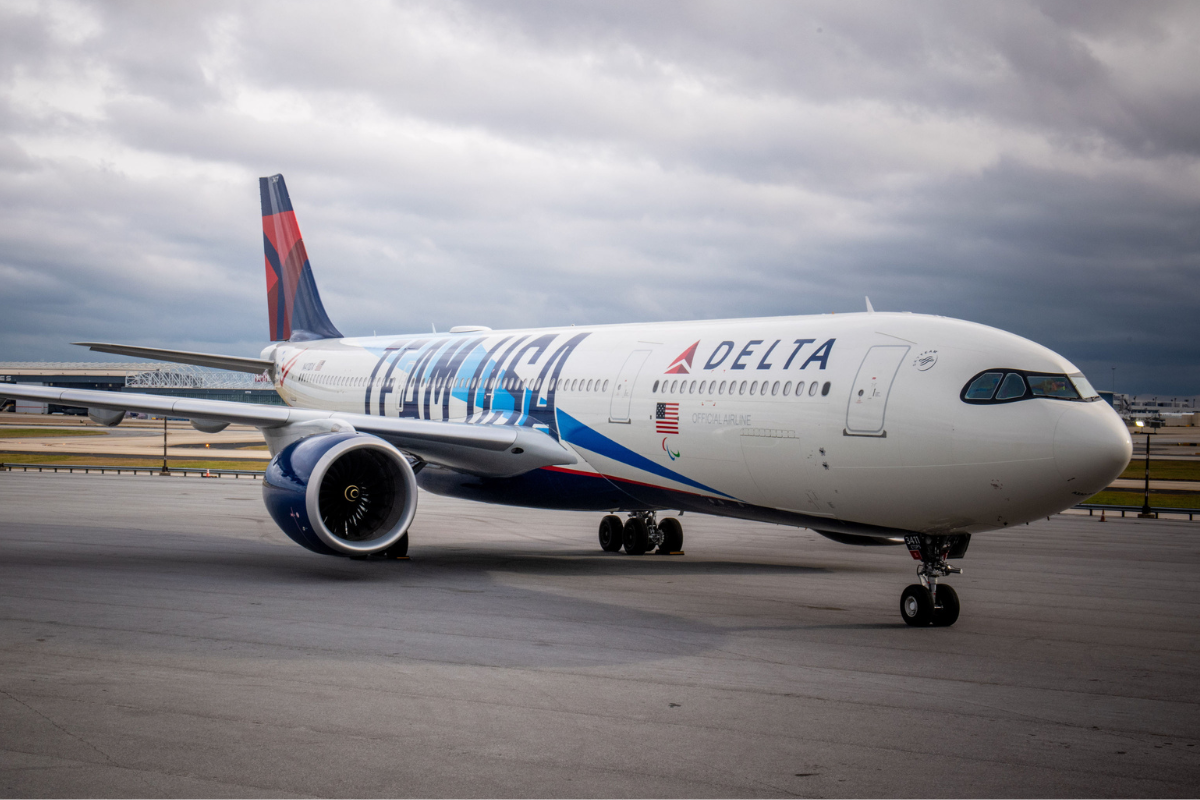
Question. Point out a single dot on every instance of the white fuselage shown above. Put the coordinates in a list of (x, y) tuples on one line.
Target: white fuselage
[(855, 417)]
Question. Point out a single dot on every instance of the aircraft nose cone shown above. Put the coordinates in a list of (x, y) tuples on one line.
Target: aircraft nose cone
[(1091, 446)]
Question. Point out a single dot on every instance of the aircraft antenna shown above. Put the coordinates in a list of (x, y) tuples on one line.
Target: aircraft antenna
[(870, 310)]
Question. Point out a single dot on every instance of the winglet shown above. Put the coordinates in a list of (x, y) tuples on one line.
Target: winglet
[(870, 310), (294, 305)]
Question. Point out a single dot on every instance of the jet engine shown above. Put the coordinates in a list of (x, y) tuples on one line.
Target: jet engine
[(347, 494)]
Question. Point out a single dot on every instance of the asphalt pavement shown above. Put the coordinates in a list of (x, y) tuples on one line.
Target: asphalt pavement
[(162, 638)]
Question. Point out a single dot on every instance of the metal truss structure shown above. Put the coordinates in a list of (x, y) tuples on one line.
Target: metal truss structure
[(185, 376)]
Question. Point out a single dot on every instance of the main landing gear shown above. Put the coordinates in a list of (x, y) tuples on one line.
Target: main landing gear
[(927, 603), (641, 533)]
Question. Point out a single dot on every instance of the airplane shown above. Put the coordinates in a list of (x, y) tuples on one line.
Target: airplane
[(869, 428)]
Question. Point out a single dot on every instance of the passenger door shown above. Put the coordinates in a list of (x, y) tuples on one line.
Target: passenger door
[(622, 396), (869, 394)]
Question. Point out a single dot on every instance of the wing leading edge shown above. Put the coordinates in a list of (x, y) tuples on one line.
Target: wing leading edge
[(486, 450)]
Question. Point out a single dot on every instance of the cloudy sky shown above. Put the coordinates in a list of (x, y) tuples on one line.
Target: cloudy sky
[(1030, 166)]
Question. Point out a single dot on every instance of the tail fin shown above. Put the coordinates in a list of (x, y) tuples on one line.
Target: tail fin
[(296, 313)]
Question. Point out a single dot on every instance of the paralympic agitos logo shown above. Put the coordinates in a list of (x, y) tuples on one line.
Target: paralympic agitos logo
[(748, 357)]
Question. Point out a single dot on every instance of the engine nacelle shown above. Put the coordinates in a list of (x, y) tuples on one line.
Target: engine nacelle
[(341, 493), (106, 416)]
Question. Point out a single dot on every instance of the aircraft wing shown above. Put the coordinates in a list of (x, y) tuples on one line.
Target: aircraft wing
[(491, 450)]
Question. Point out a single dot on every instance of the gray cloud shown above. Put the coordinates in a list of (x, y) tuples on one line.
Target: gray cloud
[(1030, 166)]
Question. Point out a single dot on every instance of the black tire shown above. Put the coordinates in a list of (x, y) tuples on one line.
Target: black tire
[(945, 613), (612, 534), (672, 532), (916, 606), (398, 550), (636, 537)]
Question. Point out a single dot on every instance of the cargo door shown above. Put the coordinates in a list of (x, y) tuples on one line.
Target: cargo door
[(869, 394)]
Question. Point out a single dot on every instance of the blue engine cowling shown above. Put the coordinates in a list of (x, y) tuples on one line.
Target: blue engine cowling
[(341, 494)]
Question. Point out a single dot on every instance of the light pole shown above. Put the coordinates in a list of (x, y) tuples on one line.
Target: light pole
[(166, 471), (1146, 512)]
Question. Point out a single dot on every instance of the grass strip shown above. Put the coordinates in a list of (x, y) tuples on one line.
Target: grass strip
[(1163, 470), (29, 433), (116, 461), (1118, 498), (238, 447)]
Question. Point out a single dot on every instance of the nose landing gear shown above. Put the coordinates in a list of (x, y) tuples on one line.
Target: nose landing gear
[(641, 533), (927, 603)]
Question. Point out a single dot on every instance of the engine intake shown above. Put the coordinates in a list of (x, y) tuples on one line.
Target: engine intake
[(341, 493)]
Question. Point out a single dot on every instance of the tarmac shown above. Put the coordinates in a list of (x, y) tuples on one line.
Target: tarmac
[(163, 638), (132, 439)]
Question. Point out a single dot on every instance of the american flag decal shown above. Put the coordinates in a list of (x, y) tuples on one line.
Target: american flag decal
[(666, 418)]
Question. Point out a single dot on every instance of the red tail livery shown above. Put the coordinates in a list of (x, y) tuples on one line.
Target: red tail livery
[(294, 305)]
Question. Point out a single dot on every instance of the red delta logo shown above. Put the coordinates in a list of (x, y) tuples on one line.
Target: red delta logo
[(683, 363)]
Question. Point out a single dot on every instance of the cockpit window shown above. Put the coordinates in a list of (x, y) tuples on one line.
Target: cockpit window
[(1084, 387), (983, 387), (1012, 388), (1052, 386), (1013, 385)]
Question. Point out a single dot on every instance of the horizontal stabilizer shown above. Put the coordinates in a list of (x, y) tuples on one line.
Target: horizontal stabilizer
[(214, 360)]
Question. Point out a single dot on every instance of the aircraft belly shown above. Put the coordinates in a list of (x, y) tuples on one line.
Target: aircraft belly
[(711, 457), (939, 498), (565, 489), (788, 474)]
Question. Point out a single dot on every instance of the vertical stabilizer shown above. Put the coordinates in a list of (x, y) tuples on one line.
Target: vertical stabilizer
[(294, 305)]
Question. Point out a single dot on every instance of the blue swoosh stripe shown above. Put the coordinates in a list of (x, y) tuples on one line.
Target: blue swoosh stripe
[(575, 432)]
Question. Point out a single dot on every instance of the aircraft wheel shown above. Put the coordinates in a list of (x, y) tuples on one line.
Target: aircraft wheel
[(672, 532), (636, 536), (611, 533), (946, 614), (916, 606)]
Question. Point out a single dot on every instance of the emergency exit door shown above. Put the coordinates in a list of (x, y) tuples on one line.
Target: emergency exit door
[(869, 394)]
